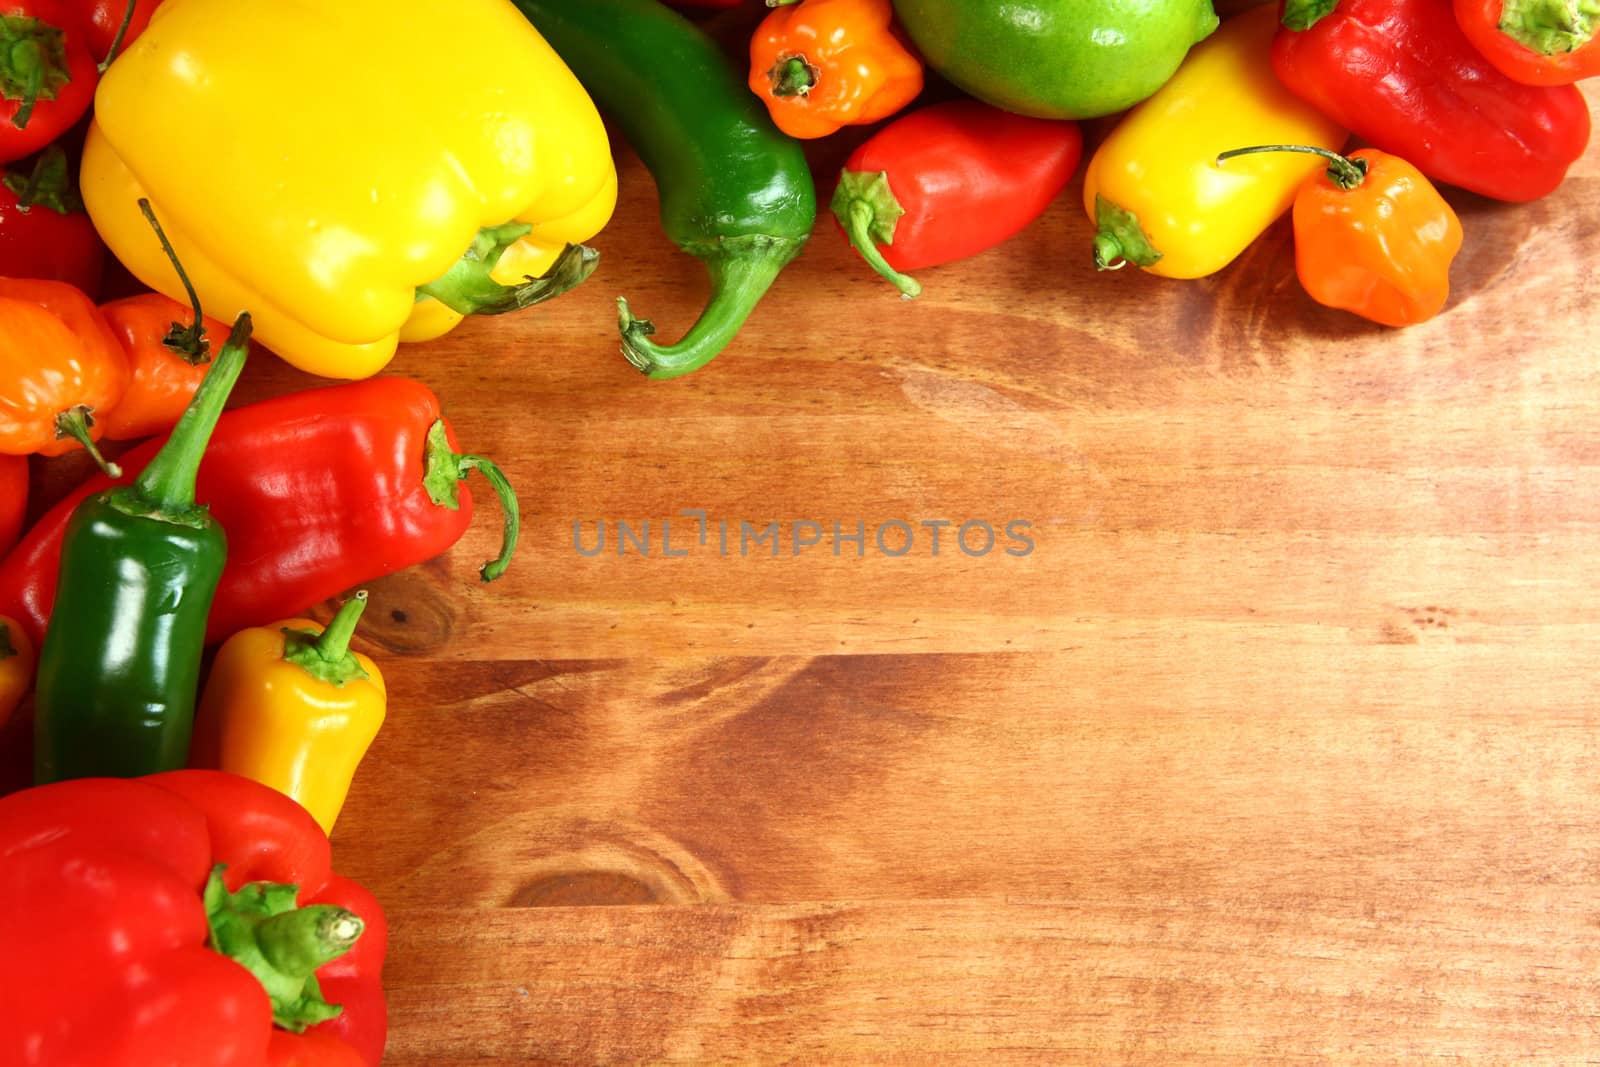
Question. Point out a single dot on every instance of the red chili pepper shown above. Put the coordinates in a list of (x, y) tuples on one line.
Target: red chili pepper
[(1535, 42), (1403, 76), (47, 76), (44, 231), (13, 498), (319, 491), (949, 181), (143, 919), (106, 17)]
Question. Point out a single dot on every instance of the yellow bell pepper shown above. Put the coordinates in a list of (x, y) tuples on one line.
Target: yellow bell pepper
[(349, 171), (16, 666), (291, 706), (1154, 189)]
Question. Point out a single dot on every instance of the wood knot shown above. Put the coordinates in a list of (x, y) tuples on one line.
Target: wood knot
[(409, 612)]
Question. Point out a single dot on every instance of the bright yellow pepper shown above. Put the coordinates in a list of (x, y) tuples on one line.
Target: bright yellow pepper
[(322, 163), (291, 706), (1154, 188), (16, 666)]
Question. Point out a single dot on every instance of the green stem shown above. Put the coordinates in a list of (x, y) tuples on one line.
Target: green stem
[(327, 656), (189, 341), (33, 63), (1119, 239), (859, 216), (122, 31), (468, 287), (793, 76), (28, 58), (1342, 171), (75, 423), (444, 470), (742, 269), (166, 485)]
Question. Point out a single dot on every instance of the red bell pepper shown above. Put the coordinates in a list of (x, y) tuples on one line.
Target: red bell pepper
[(1402, 75), (1533, 41), (44, 231), (319, 491), (47, 76), (175, 919), (13, 497), (949, 181)]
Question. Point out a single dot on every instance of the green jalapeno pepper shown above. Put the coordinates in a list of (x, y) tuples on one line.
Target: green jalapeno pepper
[(120, 664), (735, 192)]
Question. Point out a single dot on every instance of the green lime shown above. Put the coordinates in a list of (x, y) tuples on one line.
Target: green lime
[(1060, 59)]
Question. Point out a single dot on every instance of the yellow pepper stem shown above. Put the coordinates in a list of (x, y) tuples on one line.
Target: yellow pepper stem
[(327, 656), (468, 289), (1119, 239), (1342, 171), (122, 31)]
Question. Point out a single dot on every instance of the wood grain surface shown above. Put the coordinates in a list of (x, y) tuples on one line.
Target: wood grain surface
[(1279, 746)]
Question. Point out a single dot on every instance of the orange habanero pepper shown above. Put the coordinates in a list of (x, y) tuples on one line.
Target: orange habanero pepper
[(59, 363), (822, 64), (1372, 236), (166, 360)]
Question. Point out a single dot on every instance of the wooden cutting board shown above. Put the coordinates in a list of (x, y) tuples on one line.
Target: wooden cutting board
[(1278, 744)]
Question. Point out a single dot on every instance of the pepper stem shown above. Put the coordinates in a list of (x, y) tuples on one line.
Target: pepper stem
[(1343, 171), (75, 423), (260, 927), (742, 270), (327, 656), (443, 472), (793, 76), (468, 287), (1120, 239), (122, 31), (26, 58), (166, 485), (189, 341), (867, 209)]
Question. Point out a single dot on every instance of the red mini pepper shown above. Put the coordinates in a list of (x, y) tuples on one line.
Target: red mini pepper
[(950, 181), (320, 491), (47, 76), (44, 231), (175, 919), (1403, 76), (1536, 42)]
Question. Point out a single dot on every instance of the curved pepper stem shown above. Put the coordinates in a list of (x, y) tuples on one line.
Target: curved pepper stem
[(742, 270), (75, 423), (1342, 171), (443, 472), (1120, 240), (188, 342), (327, 656), (867, 209), (33, 63), (468, 288), (116, 41), (261, 927)]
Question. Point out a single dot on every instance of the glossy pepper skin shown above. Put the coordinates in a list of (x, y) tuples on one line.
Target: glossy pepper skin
[(821, 64), (319, 490), (13, 498), (16, 666), (949, 181), (105, 22), (1402, 75), (44, 231), (59, 365), (290, 705), (111, 911), (162, 374), (119, 668), (1374, 237), (735, 192), (1153, 188), (47, 76), (394, 184), (1535, 42)]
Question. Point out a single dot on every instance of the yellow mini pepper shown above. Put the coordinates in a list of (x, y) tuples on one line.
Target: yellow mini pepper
[(291, 706), (1154, 189), (349, 171), (16, 666)]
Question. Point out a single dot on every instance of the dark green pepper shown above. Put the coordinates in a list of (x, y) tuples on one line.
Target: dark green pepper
[(120, 664), (735, 192)]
